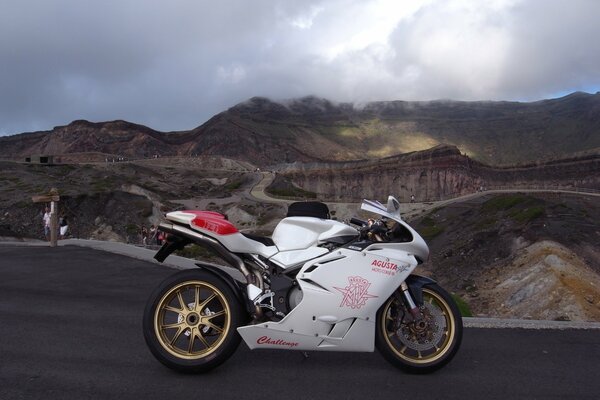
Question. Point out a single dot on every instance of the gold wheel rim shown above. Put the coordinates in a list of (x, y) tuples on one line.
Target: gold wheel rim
[(437, 348), (192, 320)]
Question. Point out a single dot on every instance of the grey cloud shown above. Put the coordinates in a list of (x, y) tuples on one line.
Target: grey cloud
[(172, 65)]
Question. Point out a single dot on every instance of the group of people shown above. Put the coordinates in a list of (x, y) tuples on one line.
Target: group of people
[(63, 224), (148, 236), (152, 236)]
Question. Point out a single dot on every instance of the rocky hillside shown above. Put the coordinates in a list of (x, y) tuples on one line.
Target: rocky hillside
[(310, 129), (435, 174), (111, 201), (519, 256)]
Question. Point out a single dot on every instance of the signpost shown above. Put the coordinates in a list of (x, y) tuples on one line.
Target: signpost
[(51, 197)]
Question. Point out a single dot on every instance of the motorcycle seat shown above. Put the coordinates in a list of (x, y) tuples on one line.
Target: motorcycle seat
[(267, 241)]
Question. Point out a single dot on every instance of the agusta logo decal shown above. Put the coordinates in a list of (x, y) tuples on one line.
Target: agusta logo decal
[(386, 267), (356, 293), (276, 342)]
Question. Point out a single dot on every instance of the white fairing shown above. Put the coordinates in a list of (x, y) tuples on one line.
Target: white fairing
[(291, 258), (297, 238), (342, 292), (295, 233)]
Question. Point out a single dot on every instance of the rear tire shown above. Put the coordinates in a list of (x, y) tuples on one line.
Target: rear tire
[(190, 321), (420, 346)]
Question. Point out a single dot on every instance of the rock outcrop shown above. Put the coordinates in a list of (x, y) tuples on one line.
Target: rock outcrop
[(437, 174)]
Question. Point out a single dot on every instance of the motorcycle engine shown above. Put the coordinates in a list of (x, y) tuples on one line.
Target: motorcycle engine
[(294, 297)]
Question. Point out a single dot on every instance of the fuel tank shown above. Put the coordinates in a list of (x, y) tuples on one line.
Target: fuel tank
[(296, 233)]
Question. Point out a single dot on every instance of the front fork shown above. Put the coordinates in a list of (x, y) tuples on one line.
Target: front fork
[(410, 303)]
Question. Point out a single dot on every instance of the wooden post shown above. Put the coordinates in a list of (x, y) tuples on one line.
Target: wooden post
[(52, 197)]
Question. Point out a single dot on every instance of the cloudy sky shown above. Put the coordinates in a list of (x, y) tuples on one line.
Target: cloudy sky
[(173, 64)]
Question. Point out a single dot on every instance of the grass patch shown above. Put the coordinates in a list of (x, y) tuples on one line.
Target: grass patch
[(429, 232), (463, 307), (292, 192), (503, 202), (283, 187), (196, 252), (428, 228), (132, 229), (427, 221), (528, 214), (234, 185), (486, 223)]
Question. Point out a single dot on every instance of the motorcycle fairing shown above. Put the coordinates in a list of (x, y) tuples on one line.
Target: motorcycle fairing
[(296, 233), (342, 292), (210, 224), (289, 259), (295, 239)]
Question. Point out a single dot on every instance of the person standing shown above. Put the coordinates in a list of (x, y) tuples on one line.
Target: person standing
[(152, 234), (46, 222), (144, 233), (63, 226)]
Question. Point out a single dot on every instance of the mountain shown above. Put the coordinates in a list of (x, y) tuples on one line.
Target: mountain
[(310, 129)]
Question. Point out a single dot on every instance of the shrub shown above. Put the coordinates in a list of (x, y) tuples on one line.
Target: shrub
[(463, 307), (503, 202)]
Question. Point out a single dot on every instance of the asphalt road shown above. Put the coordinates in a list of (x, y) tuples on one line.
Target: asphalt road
[(70, 328)]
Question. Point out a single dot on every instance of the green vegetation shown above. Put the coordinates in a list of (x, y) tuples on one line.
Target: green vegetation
[(429, 229), (197, 252), (132, 229), (463, 307), (292, 192), (428, 221), (501, 203), (104, 184), (234, 184), (520, 208), (528, 214), (486, 223), (65, 169), (429, 232), (282, 187)]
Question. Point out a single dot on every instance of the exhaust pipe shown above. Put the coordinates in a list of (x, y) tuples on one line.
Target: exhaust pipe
[(196, 237)]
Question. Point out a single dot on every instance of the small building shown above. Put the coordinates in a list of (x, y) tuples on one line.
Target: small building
[(40, 159)]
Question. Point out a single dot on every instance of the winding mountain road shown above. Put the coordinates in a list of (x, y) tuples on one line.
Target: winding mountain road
[(408, 210)]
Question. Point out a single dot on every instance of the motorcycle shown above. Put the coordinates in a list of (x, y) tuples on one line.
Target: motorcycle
[(317, 284)]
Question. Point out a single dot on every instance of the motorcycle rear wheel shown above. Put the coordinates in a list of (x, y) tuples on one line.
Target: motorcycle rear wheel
[(420, 346), (190, 321)]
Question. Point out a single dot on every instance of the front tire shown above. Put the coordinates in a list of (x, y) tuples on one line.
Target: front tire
[(190, 321), (425, 345)]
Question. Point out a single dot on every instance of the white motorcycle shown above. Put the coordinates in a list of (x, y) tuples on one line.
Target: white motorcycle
[(316, 285)]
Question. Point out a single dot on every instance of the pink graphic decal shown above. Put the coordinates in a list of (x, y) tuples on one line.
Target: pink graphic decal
[(356, 293)]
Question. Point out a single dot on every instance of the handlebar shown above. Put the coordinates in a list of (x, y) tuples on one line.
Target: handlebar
[(358, 222)]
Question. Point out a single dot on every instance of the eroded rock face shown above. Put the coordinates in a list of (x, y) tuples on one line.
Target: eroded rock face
[(436, 174), (545, 281)]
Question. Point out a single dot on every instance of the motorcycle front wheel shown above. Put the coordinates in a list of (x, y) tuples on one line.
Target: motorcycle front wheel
[(190, 321), (423, 345)]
